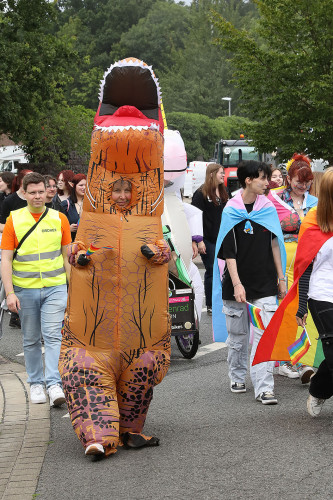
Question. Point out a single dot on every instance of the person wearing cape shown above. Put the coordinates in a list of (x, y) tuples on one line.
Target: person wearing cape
[(116, 336), (283, 329), (292, 203), (251, 241)]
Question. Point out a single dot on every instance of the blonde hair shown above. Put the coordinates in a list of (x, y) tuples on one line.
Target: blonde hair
[(325, 202), (315, 186)]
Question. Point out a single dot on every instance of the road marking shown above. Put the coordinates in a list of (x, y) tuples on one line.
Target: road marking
[(22, 353), (207, 349)]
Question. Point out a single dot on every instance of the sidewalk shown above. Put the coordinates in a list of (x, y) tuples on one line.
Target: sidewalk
[(24, 434)]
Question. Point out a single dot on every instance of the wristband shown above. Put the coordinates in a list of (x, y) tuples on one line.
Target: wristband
[(281, 279), (237, 284), (10, 294)]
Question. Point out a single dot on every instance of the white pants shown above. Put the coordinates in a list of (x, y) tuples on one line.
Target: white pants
[(238, 326)]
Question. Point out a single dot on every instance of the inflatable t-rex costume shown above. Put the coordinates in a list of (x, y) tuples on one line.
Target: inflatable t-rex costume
[(116, 341)]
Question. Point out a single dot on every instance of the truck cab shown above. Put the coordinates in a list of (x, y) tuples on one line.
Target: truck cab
[(229, 153)]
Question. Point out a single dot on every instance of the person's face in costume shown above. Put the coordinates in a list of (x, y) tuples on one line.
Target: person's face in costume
[(257, 185), (297, 187), (122, 194), (277, 177)]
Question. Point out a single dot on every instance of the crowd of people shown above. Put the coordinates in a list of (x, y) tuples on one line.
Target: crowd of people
[(38, 219), (255, 232), (255, 271)]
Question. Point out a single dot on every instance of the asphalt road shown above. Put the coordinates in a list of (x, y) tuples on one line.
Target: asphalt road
[(214, 444)]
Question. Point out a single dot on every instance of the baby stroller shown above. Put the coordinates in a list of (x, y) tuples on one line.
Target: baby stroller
[(184, 318)]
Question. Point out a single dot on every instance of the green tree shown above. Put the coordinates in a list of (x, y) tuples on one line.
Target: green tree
[(200, 75), (33, 65), (283, 68), (59, 135), (94, 27), (155, 37)]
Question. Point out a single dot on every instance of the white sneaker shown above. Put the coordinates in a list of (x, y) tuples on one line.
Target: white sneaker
[(267, 398), (95, 449), (56, 395), (314, 405), (287, 370), (37, 394), (305, 373)]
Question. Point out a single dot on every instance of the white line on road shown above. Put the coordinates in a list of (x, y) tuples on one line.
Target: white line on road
[(22, 353), (207, 349)]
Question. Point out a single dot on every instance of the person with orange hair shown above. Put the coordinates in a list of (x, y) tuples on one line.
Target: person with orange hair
[(292, 203)]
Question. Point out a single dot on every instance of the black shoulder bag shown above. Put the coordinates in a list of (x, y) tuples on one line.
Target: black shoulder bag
[(29, 232)]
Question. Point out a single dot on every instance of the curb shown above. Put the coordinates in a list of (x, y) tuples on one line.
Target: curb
[(24, 434)]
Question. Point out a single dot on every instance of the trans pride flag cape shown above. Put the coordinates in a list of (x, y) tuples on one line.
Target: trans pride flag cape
[(263, 213), (282, 329)]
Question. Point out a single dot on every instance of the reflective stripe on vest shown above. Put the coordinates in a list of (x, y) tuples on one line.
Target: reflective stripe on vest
[(39, 262)]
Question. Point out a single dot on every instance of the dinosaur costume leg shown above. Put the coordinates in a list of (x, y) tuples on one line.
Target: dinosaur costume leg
[(135, 389), (89, 381)]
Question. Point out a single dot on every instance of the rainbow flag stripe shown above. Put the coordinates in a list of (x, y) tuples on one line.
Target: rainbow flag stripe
[(92, 249), (254, 315), (299, 348)]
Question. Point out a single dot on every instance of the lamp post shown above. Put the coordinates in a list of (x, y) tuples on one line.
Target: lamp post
[(229, 100)]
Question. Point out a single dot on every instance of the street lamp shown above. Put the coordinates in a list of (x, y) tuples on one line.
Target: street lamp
[(229, 100)]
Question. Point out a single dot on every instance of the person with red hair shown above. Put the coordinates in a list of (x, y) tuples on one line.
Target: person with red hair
[(293, 203), (72, 206), (64, 188)]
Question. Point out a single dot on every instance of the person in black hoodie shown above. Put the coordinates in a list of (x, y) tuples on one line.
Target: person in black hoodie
[(211, 199)]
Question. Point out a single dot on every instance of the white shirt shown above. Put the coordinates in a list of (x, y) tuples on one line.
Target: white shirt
[(321, 281)]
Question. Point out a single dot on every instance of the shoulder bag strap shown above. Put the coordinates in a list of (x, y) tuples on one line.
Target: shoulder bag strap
[(29, 232)]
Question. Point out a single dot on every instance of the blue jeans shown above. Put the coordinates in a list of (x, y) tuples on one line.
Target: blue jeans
[(208, 262), (42, 313)]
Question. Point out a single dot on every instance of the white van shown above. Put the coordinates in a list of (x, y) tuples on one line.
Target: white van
[(187, 188), (198, 173), (10, 158)]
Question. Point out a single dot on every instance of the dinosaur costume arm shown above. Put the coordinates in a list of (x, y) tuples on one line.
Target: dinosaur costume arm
[(159, 253)]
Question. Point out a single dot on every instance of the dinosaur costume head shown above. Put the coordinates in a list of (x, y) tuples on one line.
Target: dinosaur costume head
[(127, 140)]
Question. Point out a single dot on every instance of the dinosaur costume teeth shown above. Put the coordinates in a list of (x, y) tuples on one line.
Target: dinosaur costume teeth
[(116, 336)]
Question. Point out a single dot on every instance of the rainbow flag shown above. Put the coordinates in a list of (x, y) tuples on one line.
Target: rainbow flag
[(254, 314), (299, 347), (92, 249)]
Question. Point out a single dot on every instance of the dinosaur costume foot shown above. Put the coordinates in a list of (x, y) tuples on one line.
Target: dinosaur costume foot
[(131, 440)]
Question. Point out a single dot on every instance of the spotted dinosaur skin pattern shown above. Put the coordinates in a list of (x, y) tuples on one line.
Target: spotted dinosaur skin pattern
[(116, 336)]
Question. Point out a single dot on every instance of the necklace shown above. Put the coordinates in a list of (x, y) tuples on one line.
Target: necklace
[(298, 202), (79, 206)]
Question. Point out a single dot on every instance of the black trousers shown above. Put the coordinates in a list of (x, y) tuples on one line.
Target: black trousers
[(208, 262), (321, 384)]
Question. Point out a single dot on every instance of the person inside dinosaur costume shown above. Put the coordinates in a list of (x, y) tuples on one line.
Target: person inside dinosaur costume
[(116, 335)]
